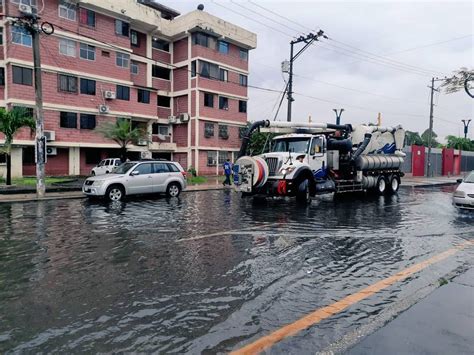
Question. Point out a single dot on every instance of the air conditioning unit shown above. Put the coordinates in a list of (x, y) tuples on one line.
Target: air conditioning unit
[(172, 119), (25, 9), (142, 142), (184, 117), (109, 95), (52, 151), (104, 109), (50, 135)]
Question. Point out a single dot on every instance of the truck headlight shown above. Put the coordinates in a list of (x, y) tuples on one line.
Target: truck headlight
[(287, 170), (98, 182), (461, 194)]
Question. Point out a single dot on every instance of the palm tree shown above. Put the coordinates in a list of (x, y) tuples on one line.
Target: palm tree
[(10, 122), (122, 133)]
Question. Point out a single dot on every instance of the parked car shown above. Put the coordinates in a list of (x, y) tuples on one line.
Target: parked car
[(136, 178), (463, 197), (106, 166)]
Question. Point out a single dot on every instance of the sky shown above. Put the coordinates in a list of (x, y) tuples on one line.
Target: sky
[(380, 57)]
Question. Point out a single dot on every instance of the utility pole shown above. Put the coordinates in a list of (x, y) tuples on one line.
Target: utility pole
[(338, 115), (429, 172), (29, 21), (466, 127), (308, 40)]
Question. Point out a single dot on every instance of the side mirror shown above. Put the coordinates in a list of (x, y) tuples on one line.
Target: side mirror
[(134, 172), (459, 181)]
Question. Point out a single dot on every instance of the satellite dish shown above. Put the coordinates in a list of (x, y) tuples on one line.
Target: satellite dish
[(200, 7)]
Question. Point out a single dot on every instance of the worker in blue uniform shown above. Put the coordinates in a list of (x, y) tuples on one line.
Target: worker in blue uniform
[(228, 172)]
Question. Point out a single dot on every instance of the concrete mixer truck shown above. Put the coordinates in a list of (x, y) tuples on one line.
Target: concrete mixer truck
[(305, 160)]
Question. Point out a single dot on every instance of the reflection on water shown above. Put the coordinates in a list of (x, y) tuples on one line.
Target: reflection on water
[(203, 272)]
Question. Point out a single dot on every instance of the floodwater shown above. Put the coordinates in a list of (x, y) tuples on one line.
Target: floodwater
[(210, 272)]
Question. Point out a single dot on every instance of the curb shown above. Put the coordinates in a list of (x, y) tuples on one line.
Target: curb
[(430, 185)]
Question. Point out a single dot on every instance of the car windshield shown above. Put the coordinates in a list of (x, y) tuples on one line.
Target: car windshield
[(295, 145), (122, 169), (470, 178)]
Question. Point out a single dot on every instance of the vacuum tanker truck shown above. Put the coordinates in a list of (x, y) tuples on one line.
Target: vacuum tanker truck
[(316, 158)]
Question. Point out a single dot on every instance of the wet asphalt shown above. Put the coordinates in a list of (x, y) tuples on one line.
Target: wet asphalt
[(210, 272)]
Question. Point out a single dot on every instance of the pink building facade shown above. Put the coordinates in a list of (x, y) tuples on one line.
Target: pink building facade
[(181, 78)]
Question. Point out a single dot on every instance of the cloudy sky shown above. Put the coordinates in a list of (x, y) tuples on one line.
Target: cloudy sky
[(380, 57)]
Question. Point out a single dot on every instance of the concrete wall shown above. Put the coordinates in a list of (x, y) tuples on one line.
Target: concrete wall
[(17, 163)]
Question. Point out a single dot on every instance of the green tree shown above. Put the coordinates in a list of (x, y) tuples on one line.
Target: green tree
[(10, 122), (461, 79), (425, 136), (413, 138), (259, 142), (460, 143), (122, 133)]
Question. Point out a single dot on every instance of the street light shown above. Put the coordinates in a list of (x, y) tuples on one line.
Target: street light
[(466, 127), (338, 115)]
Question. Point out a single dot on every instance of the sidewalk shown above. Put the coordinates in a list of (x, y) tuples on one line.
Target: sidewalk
[(441, 323)]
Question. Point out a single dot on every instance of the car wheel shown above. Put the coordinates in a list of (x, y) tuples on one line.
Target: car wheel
[(115, 193), (394, 184), (303, 195), (381, 186), (93, 173), (173, 190)]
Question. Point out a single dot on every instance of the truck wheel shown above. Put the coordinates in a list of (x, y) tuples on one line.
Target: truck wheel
[(115, 193), (381, 185), (394, 184), (303, 195)]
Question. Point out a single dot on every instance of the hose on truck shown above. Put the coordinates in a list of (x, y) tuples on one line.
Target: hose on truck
[(361, 147)]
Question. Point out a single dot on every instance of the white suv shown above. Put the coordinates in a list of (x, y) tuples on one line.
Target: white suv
[(106, 166), (136, 178)]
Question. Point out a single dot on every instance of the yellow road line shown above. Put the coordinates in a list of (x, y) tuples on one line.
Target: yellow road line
[(325, 312)]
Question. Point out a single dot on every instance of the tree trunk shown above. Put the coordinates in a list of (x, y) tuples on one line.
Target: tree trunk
[(9, 169), (123, 154)]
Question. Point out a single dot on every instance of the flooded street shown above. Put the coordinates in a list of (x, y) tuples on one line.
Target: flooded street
[(210, 271)]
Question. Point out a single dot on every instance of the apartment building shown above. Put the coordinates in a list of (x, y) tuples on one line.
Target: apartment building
[(181, 78)]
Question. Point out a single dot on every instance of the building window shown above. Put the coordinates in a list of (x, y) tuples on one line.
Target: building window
[(87, 17), (160, 129), (123, 93), (143, 96), (223, 47), (87, 86), (67, 47), (208, 130), (68, 120), (23, 76), (211, 158), (160, 44), (67, 83), (87, 121), (208, 70), (21, 36), (134, 39), (223, 132), (223, 75), (208, 99), (242, 80), (242, 106), (67, 10), (204, 40), (105, 54), (3, 158), (134, 68), (160, 72), (223, 103), (122, 60), (164, 101), (244, 54), (87, 52), (193, 69), (223, 156), (1, 36), (122, 28), (2, 76)]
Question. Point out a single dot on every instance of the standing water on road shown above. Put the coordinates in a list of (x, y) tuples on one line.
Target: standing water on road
[(209, 271)]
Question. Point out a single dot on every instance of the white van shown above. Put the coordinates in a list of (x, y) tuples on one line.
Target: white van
[(106, 166)]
